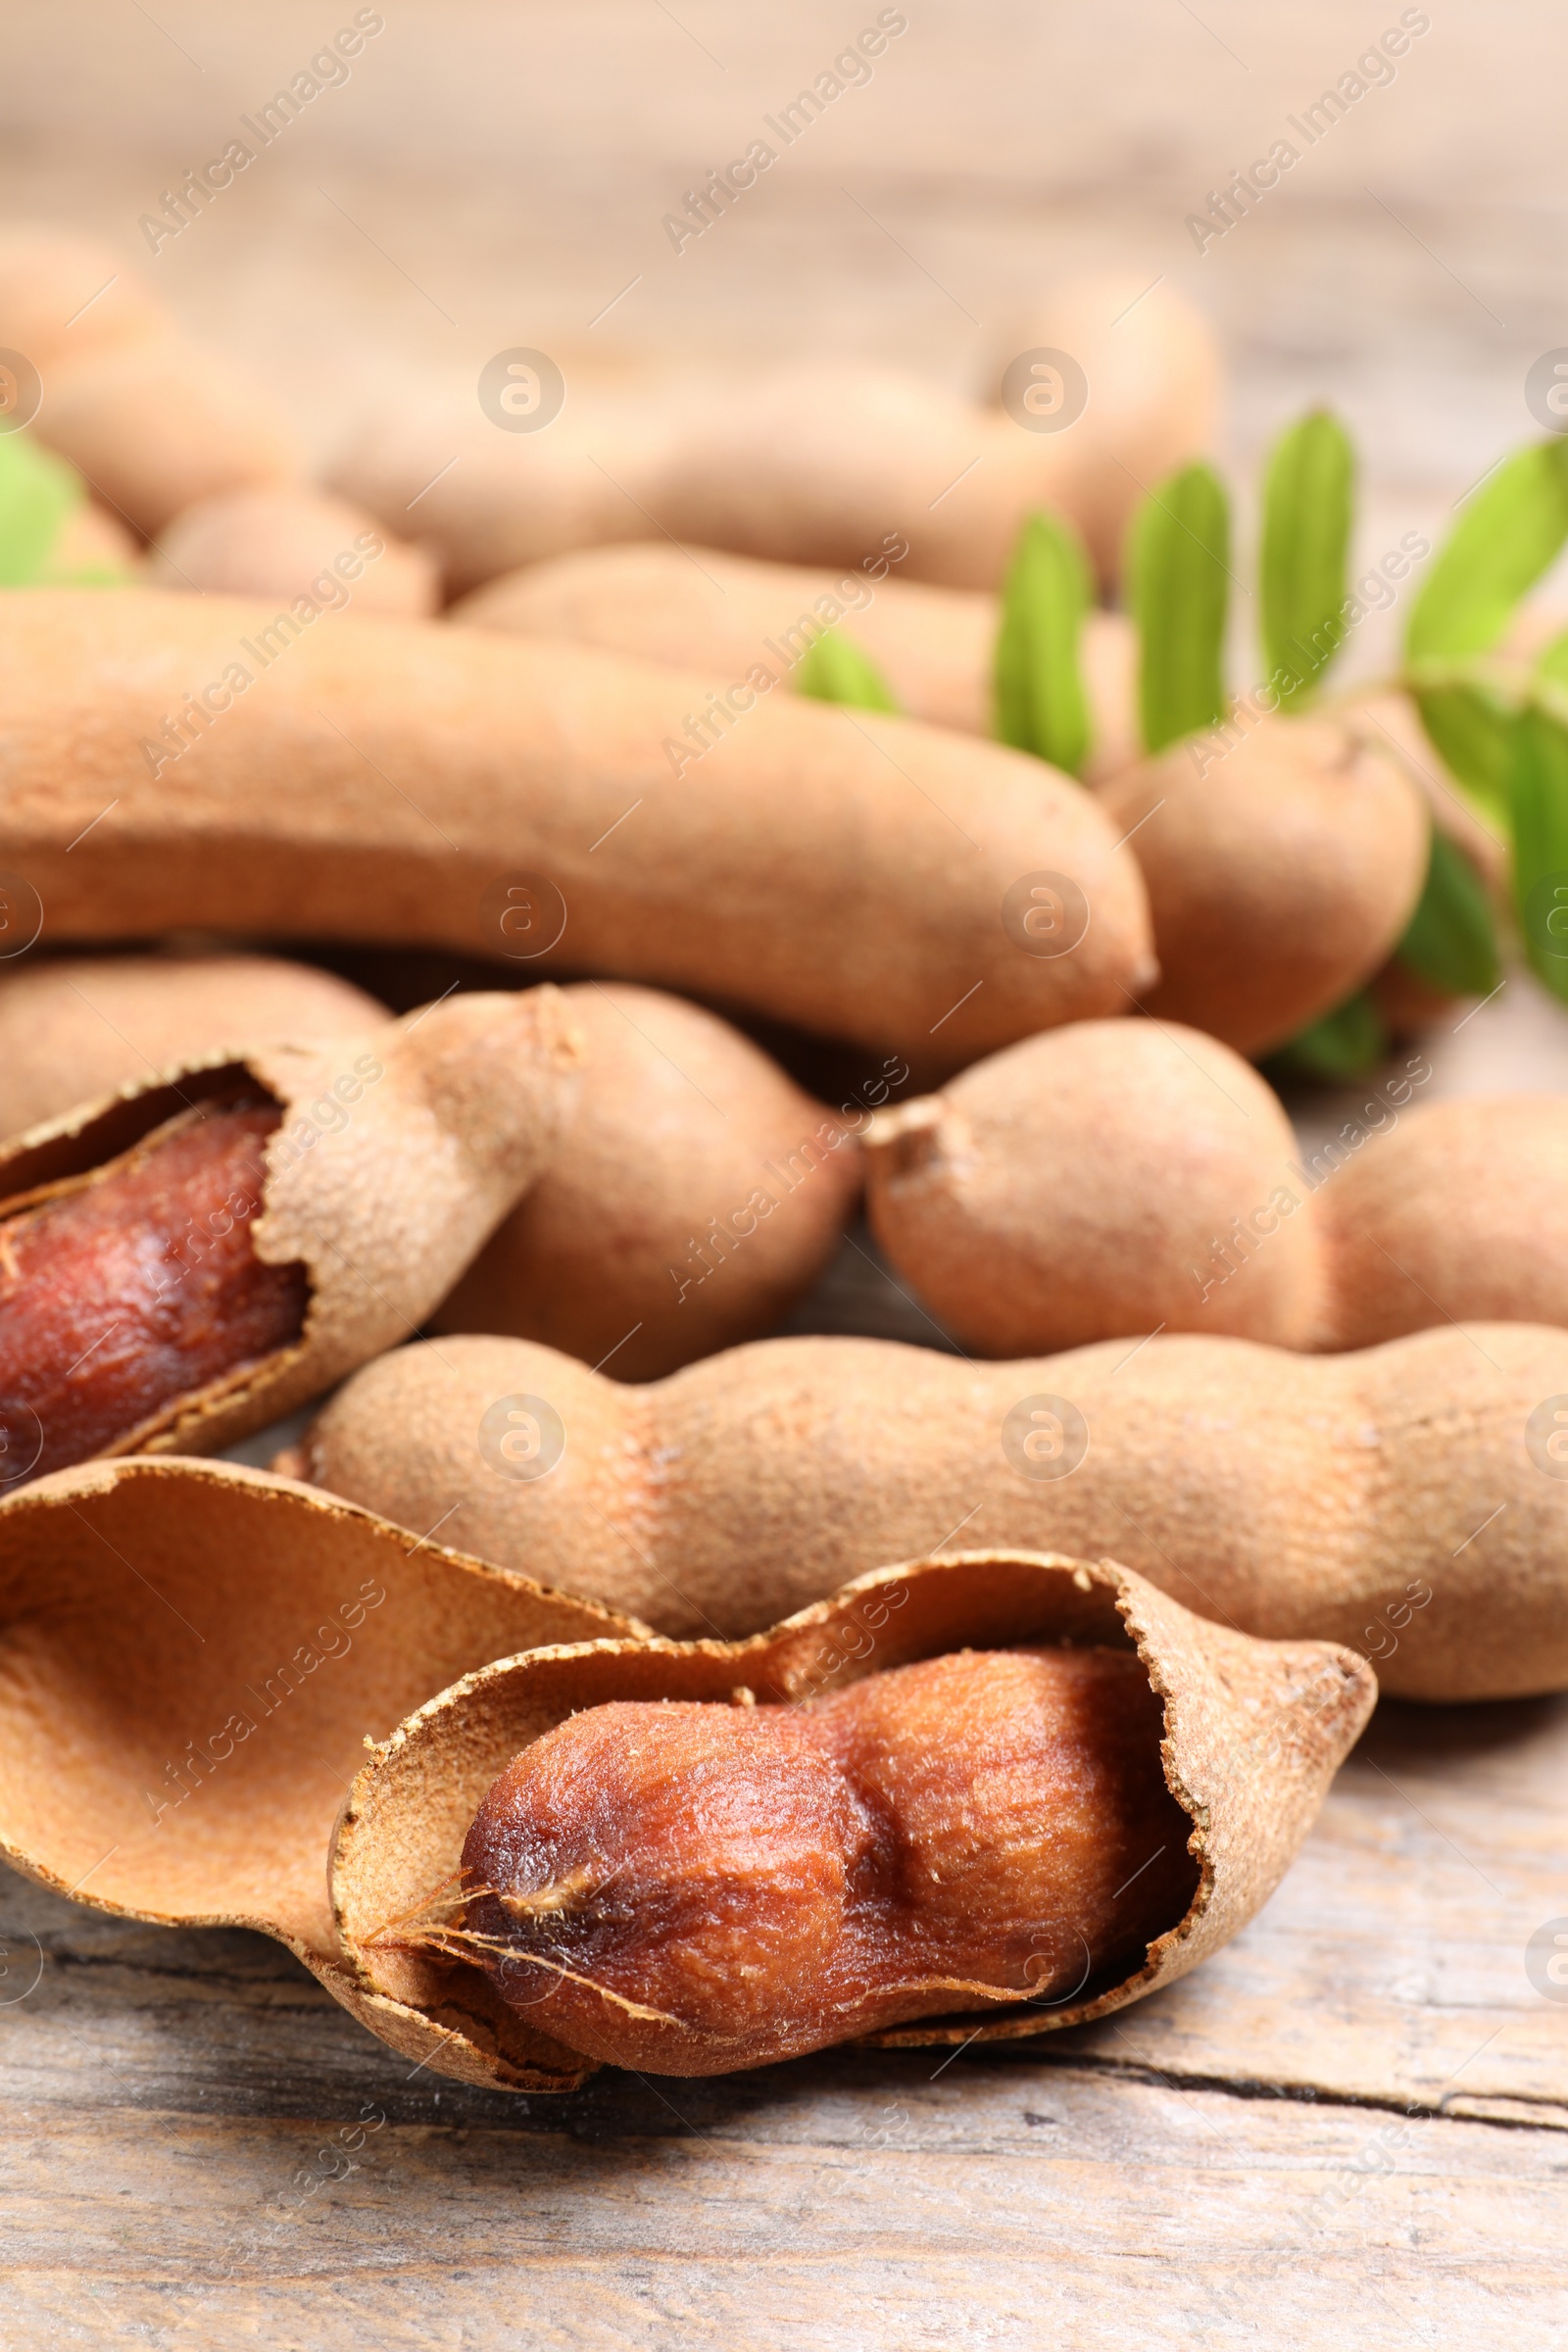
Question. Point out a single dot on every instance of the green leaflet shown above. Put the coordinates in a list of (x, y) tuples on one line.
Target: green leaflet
[(1179, 560), (1041, 704), (833, 669), (1450, 939), (1345, 1043), (1552, 663), (1471, 730), (1509, 533), (1308, 497), (37, 491), (1540, 843)]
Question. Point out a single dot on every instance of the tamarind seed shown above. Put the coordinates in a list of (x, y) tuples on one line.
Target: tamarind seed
[(694, 1887), (137, 1286)]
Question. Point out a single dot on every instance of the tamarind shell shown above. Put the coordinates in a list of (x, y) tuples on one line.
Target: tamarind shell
[(384, 780), (276, 539), (1293, 1495), (151, 1605), (383, 1194), (1253, 1734)]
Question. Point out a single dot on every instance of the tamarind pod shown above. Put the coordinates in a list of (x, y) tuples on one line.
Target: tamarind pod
[(816, 461), (64, 298), (151, 419), (213, 1706), (1131, 1177), (285, 541), (1089, 1184), (695, 1197), (90, 539), (72, 1027), (1291, 1495), (1252, 1735), (838, 869), (723, 614), (1156, 387), (1281, 864), (487, 500), (1454, 1214), (394, 1160)]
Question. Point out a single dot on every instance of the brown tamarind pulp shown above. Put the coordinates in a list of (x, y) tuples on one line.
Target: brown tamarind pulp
[(692, 1888), (124, 1291)]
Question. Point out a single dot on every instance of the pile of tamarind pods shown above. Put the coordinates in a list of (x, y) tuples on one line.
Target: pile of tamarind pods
[(729, 1695)]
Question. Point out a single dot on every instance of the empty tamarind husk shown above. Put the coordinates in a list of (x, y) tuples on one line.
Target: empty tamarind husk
[(1252, 1734), (1117, 1178), (172, 761), (1407, 1501), (189, 1259), (194, 1654)]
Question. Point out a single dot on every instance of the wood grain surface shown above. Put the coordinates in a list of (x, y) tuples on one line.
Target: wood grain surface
[(1352, 2128)]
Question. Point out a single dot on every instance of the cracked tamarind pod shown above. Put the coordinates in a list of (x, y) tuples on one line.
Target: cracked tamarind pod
[(966, 1799), (701, 1887), (190, 1258)]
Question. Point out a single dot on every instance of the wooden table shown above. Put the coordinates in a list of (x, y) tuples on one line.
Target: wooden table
[(1349, 2128)]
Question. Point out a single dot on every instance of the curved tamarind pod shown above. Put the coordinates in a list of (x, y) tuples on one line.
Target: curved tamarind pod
[(1131, 1177), (213, 1706), (281, 540), (1252, 1734), (844, 872), (1282, 868), (720, 614), (816, 463), (72, 1027), (154, 422), (1083, 1186), (388, 1161), (696, 1196), (1289, 1494)]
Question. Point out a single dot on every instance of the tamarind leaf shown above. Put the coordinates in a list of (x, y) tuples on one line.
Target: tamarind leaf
[(1471, 729), (834, 669), (37, 491), (1450, 940), (1539, 796), (1551, 663), (1041, 704), (1509, 533), (1308, 502), (1179, 566), (1343, 1044)]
